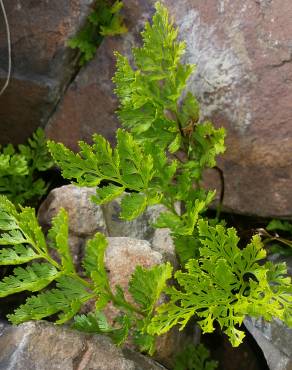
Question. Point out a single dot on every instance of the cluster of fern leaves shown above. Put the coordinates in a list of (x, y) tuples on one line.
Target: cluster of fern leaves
[(20, 169), (194, 358), (160, 156), (25, 243), (104, 20)]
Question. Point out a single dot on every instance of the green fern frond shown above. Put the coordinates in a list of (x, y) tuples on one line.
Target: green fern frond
[(58, 235), (20, 168), (32, 278), (224, 285), (17, 255), (66, 300)]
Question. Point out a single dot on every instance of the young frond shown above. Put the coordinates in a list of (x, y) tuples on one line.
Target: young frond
[(58, 236), (224, 285), (155, 86), (146, 285), (19, 169)]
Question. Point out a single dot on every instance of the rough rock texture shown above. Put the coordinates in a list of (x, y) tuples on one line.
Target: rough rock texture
[(243, 81), (42, 63), (140, 228), (86, 218), (274, 340), (122, 256), (43, 346)]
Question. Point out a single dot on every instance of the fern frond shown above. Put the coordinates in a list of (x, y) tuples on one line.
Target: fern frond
[(156, 85), (225, 284), (94, 265), (66, 300), (17, 255), (146, 285), (58, 235), (32, 278)]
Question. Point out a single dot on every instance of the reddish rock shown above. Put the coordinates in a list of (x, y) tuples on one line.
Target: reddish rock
[(243, 81), (42, 64)]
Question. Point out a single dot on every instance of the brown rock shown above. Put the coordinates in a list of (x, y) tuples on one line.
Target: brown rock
[(85, 217), (44, 346), (243, 81), (42, 64)]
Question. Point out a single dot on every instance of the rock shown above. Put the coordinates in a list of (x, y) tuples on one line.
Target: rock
[(42, 64), (243, 81), (124, 254), (44, 346), (85, 217), (139, 228), (274, 340)]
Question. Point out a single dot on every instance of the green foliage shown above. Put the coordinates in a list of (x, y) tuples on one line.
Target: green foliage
[(104, 20), (161, 160), (20, 169), (150, 98), (127, 166), (194, 358), (23, 241), (278, 237), (225, 284), (278, 225)]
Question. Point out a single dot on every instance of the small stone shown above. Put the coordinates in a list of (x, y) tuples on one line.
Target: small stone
[(139, 228), (85, 217)]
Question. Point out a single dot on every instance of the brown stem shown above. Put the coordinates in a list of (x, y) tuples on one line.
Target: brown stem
[(222, 190)]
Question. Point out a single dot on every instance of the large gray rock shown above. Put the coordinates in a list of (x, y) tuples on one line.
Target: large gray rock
[(275, 340), (44, 346), (42, 64), (243, 81)]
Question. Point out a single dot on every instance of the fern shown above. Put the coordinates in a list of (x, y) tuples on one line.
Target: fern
[(104, 20), (224, 285), (20, 169), (23, 241), (278, 237), (194, 358), (161, 160)]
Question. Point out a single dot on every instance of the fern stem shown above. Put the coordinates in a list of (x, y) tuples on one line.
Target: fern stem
[(127, 305)]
